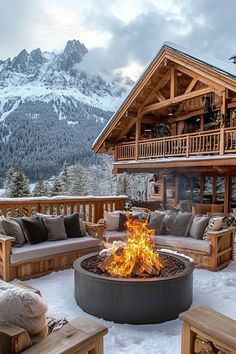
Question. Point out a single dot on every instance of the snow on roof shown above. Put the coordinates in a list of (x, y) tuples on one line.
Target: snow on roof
[(224, 67), (216, 64)]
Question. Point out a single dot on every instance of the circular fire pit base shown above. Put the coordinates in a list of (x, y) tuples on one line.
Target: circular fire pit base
[(134, 301)]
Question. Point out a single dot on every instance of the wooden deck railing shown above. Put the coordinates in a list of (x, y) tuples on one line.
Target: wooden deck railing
[(217, 142), (91, 207)]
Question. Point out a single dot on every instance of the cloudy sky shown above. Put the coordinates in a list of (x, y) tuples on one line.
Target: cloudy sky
[(121, 35)]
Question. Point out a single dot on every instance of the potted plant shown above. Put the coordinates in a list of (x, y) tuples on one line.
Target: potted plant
[(160, 130)]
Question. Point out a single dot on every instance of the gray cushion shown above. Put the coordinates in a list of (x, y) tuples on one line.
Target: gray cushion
[(2, 232), (12, 228), (182, 224), (198, 226), (156, 221), (47, 248), (55, 228), (183, 242), (168, 222)]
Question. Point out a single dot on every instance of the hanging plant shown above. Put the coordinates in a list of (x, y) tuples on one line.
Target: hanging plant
[(161, 130), (218, 119)]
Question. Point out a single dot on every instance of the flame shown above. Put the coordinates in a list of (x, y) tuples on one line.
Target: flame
[(138, 257)]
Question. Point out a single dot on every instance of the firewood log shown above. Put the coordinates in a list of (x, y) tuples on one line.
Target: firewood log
[(203, 346), (103, 266)]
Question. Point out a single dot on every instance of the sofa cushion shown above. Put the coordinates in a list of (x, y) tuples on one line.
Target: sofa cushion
[(214, 224), (72, 225), (168, 222), (47, 248), (34, 229), (182, 224), (2, 232), (55, 228), (111, 220), (12, 228), (198, 226), (183, 242), (111, 236), (155, 222)]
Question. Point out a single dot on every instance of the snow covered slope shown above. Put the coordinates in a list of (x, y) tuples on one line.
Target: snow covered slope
[(51, 111)]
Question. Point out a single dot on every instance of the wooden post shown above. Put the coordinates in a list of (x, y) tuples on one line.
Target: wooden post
[(202, 122), (223, 107), (187, 145), (222, 141), (173, 82), (187, 341), (5, 248), (137, 135)]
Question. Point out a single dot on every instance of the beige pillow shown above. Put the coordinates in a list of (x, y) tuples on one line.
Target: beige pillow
[(111, 221), (214, 224), (198, 227)]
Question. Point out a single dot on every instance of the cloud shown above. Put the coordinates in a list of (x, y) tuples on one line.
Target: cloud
[(118, 34)]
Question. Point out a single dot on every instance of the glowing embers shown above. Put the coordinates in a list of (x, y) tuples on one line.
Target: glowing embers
[(135, 258)]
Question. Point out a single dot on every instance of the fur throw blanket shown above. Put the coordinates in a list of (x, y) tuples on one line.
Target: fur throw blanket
[(23, 308)]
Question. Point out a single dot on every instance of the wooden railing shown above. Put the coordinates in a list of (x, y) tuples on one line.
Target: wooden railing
[(92, 207), (217, 142)]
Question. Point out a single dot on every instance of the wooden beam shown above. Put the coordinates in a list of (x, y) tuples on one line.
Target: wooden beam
[(129, 125), (173, 82), (160, 96), (202, 122), (191, 85), (159, 86), (186, 116), (223, 106), (177, 99), (199, 77)]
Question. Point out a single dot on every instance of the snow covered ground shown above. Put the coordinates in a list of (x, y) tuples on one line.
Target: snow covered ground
[(212, 289)]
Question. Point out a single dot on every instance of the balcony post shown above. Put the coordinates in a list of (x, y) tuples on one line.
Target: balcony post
[(222, 141), (137, 135), (116, 153), (187, 146)]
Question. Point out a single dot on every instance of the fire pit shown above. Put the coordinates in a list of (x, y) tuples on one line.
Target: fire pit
[(133, 283)]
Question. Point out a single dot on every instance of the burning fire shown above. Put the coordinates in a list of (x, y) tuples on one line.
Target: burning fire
[(138, 256)]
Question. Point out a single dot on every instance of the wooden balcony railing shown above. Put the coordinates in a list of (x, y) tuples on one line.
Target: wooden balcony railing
[(217, 142), (91, 207)]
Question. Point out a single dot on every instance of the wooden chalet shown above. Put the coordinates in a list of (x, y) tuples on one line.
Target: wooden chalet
[(194, 98)]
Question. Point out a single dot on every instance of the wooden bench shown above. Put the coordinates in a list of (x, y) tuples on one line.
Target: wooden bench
[(207, 331)]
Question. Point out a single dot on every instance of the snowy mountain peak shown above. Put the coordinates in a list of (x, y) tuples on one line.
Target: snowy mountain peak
[(19, 63), (72, 54)]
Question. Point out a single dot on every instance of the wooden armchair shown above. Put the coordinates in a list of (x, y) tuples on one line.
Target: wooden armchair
[(80, 336)]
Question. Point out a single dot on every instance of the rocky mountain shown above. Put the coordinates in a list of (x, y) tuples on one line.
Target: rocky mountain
[(51, 111)]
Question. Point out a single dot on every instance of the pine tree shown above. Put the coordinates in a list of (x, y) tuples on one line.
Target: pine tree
[(19, 185), (80, 184), (56, 187), (8, 182), (65, 179), (40, 189)]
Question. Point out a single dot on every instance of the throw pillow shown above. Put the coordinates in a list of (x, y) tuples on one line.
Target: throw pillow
[(55, 228), (111, 221), (182, 224), (155, 222), (168, 222), (12, 228), (72, 225), (214, 224), (34, 229), (122, 222), (2, 232), (23, 308), (198, 227)]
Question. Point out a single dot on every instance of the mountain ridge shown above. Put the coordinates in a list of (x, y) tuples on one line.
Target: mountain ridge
[(49, 88)]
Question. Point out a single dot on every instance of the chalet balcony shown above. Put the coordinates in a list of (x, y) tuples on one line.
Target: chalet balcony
[(213, 142)]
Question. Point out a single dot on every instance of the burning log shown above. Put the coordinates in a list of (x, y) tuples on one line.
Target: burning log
[(108, 261)]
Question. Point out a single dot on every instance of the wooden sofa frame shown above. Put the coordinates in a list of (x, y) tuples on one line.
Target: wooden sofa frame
[(43, 265), (207, 331), (222, 251), (80, 336)]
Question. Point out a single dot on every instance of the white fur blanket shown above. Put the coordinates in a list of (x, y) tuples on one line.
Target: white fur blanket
[(23, 308)]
